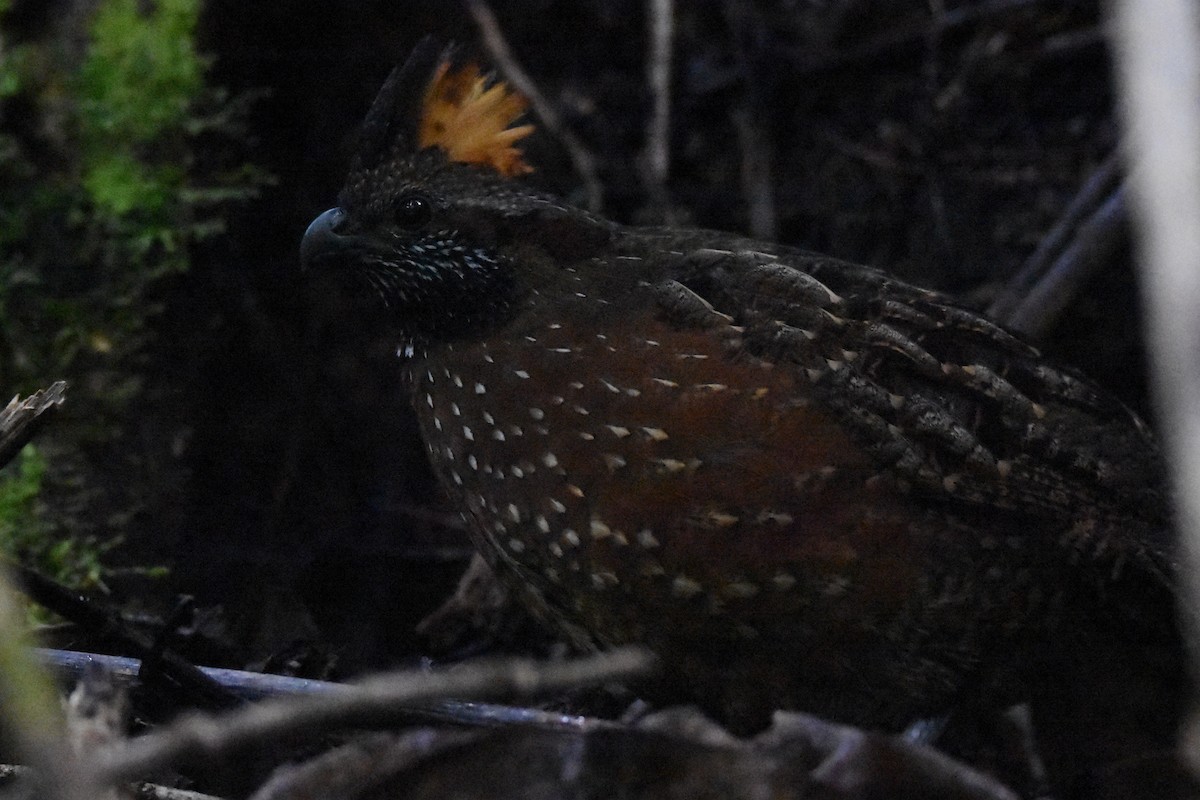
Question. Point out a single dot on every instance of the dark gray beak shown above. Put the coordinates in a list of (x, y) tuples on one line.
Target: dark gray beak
[(322, 239)]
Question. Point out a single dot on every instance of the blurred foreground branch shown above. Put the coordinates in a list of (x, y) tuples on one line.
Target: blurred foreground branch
[(1158, 64), (30, 715), (371, 702)]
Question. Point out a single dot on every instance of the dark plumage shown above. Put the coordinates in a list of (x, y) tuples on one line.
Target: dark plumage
[(802, 482)]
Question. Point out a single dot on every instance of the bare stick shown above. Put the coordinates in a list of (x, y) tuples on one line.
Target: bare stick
[(1158, 64), (746, 28), (92, 616), (661, 16), (1060, 281), (757, 178), (515, 74), (1094, 193), (371, 702), (21, 419), (70, 665), (253, 686)]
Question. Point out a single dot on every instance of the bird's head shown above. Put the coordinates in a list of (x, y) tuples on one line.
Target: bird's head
[(433, 220)]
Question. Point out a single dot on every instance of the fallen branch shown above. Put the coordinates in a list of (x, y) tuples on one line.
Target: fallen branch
[(93, 617), (374, 701), (254, 686)]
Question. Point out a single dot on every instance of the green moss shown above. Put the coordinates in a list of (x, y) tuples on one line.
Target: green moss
[(120, 184), (104, 188), (19, 486), (10, 73), (136, 89), (142, 72), (101, 192), (77, 562)]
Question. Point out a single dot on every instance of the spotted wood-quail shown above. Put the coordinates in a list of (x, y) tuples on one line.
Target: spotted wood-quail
[(802, 482)]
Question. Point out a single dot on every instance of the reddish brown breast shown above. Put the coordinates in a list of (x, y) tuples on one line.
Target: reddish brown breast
[(644, 483)]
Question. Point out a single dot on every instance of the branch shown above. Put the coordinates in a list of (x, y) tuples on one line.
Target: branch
[(93, 617), (661, 16), (515, 74), (22, 419), (1060, 281), (1068, 255), (254, 686), (368, 703), (1158, 63)]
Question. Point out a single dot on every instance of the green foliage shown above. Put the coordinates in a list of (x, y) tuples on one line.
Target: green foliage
[(116, 157), (74, 561), (139, 90), (119, 184), (19, 486), (103, 194), (10, 72), (142, 72)]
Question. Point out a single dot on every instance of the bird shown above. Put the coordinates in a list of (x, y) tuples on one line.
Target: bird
[(801, 482)]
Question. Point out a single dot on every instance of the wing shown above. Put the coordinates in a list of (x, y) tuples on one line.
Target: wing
[(957, 409)]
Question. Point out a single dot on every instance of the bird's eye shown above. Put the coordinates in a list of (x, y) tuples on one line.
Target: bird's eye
[(413, 211)]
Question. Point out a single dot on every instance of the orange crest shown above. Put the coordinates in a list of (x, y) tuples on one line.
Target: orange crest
[(470, 120)]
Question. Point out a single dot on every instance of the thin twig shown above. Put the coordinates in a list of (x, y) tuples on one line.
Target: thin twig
[(1094, 193), (515, 74), (248, 686), (1096, 238), (1158, 63), (803, 63), (661, 17), (757, 177), (10, 773), (371, 702), (758, 185)]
